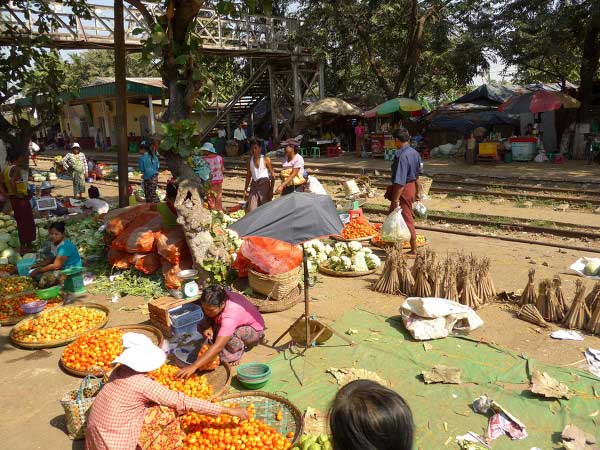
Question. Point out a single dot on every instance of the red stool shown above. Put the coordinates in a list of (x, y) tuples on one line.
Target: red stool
[(558, 159), (425, 154), (332, 151)]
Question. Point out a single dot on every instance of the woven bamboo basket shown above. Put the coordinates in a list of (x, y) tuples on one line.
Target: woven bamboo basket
[(147, 330), (59, 342), (267, 406), (274, 287), (425, 185), (337, 237), (269, 306)]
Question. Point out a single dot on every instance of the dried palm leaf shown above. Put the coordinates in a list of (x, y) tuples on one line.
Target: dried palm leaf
[(560, 298), (529, 295), (530, 313), (578, 313)]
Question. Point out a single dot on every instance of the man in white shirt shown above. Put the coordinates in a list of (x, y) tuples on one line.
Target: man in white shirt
[(239, 136)]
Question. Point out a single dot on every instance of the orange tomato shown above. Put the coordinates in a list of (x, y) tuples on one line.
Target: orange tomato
[(194, 386), (98, 348), (358, 228)]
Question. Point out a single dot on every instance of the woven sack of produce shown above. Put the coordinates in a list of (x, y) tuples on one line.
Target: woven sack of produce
[(119, 219), (171, 244), (274, 287), (147, 263), (77, 403), (119, 259), (139, 237)]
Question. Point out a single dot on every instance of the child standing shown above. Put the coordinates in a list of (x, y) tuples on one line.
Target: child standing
[(217, 170)]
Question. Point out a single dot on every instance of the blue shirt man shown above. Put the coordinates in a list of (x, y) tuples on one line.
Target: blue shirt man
[(149, 164)]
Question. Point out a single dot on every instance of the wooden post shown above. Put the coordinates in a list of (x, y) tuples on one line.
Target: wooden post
[(151, 114), (297, 92), (274, 112), (121, 103)]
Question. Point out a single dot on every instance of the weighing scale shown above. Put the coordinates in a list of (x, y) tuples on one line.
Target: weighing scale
[(189, 287), (46, 204), (73, 285)]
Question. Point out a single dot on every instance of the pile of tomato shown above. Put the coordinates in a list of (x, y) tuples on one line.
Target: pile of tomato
[(15, 285), (358, 228), (214, 363), (195, 386), (7, 269), (227, 432), (58, 324), (96, 349)]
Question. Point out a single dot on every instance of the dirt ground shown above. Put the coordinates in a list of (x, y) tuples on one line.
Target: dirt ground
[(32, 383)]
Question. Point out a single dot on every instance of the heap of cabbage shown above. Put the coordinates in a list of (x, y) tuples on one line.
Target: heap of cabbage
[(83, 232), (341, 257), (9, 239)]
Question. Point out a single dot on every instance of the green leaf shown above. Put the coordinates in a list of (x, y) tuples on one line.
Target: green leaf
[(181, 59), (137, 31)]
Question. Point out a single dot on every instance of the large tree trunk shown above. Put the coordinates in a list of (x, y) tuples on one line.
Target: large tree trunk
[(589, 64)]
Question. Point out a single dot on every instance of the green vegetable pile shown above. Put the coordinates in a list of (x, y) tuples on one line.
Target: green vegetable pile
[(308, 442), (129, 282)]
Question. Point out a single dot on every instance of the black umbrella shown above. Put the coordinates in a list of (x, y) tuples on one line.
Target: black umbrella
[(294, 218)]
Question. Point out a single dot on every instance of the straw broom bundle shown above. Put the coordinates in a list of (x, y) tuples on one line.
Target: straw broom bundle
[(388, 282), (406, 280), (541, 302), (486, 290), (468, 295), (578, 313), (531, 314), (593, 298), (529, 295), (449, 285), (553, 309), (593, 325), (560, 298), (437, 279), (421, 287)]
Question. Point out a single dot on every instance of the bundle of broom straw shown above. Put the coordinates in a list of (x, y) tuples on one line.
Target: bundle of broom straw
[(486, 291), (578, 312), (531, 314), (388, 282), (421, 288), (405, 277), (553, 307), (593, 298), (541, 302), (468, 295), (593, 325), (437, 275), (449, 284), (529, 295), (560, 298)]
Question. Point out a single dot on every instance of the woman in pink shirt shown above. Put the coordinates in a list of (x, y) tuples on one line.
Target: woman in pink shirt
[(217, 170), (236, 322)]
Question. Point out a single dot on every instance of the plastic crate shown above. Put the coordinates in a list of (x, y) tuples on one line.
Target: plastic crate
[(187, 329), (185, 315)]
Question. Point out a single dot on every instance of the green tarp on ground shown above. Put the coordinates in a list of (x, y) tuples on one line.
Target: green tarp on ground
[(441, 411)]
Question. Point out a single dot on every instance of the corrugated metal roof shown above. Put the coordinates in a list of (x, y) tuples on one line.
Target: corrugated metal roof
[(105, 87)]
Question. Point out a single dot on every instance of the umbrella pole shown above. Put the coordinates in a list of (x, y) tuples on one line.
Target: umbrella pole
[(306, 296)]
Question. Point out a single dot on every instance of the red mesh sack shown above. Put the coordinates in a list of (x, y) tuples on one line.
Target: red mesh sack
[(171, 244), (271, 256), (138, 237), (119, 219), (119, 259), (241, 264), (147, 264)]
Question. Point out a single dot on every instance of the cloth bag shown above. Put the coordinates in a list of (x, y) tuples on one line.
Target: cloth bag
[(298, 180), (394, 228), (76, 404)]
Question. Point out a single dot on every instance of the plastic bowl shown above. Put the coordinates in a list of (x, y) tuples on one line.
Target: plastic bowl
[(49, 293), (254, 373), (252, 385), (34, 307)]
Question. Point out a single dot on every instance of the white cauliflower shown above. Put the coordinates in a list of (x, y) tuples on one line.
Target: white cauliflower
[(321, 257), (339, 248), (328, 249), (373, 261), (354, 246), (334, 262), (346, 263), (367, 250), (311, 267), (311, 252)]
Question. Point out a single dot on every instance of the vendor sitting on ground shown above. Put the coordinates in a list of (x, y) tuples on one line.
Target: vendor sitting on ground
[(236, 323), (94, 202), (127, 413), (62, 254), (367, 415)]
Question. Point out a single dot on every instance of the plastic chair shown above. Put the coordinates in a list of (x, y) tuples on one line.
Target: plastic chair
[(315, 152), (303, 151), (332, 151), (388, 154), (425, 154), (558, 159)]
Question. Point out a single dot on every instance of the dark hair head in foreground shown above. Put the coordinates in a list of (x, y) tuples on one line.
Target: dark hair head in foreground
[(368, 416)]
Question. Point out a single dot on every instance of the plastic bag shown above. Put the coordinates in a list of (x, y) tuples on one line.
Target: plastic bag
[(138, 237), (271, 256), (241, 264), (119, 259), (171, 244), (147, 264), (315, 186), (119, 219), (170, 271), (394, 228), (419, 209)]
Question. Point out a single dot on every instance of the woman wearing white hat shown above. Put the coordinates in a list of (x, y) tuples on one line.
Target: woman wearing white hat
[(76, 164), (118, 414)]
